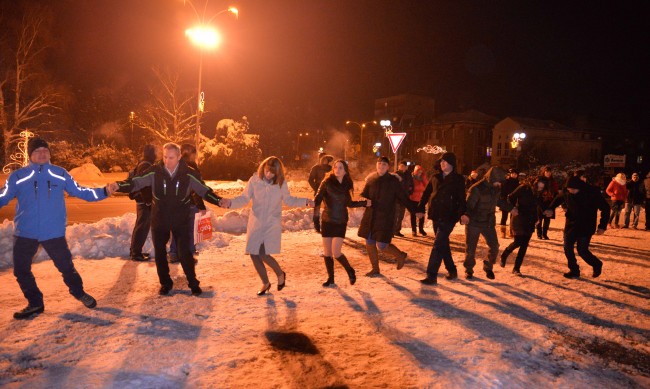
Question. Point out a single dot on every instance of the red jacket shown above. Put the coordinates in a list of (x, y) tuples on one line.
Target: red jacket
[(616, 190), (418, 187)]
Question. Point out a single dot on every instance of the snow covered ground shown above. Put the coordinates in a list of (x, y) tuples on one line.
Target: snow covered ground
[(538, 331)]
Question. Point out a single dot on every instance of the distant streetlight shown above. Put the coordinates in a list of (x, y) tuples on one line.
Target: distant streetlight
[(361, 127), (205, 38), (298, 157)]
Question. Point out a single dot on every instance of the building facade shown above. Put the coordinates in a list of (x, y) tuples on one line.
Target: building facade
[(545, 142)]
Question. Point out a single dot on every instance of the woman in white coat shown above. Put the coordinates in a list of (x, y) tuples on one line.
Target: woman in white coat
[(267, 189)]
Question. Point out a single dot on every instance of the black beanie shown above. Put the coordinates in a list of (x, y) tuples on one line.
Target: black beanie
[(450, 158), (34, 144), (574, 183)]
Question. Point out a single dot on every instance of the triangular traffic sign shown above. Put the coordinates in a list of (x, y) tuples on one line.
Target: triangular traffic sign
[(395, 140)]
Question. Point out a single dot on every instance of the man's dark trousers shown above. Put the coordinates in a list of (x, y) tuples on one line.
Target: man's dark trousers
[(57, 249)]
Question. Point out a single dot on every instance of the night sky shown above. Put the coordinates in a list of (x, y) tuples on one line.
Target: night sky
[(545, 59)]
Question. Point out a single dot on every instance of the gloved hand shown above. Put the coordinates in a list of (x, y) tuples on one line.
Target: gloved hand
[(316, 220)]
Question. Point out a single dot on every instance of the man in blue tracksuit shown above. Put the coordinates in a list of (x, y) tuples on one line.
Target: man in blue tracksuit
[(41, 220)]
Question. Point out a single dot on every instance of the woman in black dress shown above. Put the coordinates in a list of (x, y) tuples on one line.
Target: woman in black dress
[(336, 191)]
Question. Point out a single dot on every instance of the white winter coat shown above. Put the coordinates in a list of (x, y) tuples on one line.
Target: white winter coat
[(265, 220)]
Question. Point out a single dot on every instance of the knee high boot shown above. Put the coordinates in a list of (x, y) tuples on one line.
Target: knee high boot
[(346, 265), (399, 255), (374, 260), (329, 265)]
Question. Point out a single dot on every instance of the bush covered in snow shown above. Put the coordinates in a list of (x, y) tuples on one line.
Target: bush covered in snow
[(104, 155), (232, 154)]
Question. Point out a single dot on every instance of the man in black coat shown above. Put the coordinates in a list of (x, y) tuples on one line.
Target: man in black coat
[(583, 201), (143, 206), (318, 171), (172, 183), (510, 184), (447, 206), (377, 223)]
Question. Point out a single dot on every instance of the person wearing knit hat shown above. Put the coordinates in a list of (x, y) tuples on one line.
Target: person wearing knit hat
[(40, 188), (583, 201), (450, 158), (36, 143), (445, 196), (617, 192)]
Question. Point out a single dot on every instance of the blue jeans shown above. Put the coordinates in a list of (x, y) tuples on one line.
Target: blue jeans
[(441, 252), (632, 208), (570, 240), (57, 249)]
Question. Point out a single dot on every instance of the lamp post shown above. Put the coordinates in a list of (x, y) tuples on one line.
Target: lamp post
[(361, 127), (206, 38), (515, 144)]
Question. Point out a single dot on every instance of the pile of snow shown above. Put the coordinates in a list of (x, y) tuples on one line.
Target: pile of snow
[(111, 237), (87, 172)]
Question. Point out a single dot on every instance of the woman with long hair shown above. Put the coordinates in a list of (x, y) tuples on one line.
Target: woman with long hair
[(336, 192), (268, 190)]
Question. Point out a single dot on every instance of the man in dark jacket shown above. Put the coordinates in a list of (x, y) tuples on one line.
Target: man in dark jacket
[(635, 198), (510, 184), (318, 171), (447, 206), (582, 204), (407, 184), (40, 220), (172, 183), (377, 224), (482, 200), (188, 155), (143, 207)]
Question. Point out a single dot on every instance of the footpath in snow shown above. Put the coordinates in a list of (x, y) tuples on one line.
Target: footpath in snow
[(537, 331)]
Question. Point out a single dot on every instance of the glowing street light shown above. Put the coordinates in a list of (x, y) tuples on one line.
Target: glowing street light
[(361, 127), (205, 38)]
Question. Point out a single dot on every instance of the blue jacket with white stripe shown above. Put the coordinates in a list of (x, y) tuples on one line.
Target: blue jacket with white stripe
[(41, 211)]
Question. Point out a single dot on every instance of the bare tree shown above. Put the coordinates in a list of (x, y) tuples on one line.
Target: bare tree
[(170, 116), (27, 99)]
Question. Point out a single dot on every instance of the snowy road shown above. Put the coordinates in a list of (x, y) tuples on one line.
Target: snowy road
[(539, 331)]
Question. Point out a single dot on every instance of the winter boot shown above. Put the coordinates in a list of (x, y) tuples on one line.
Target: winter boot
[(503, 232), (346, 265), (329, 265), (504, 256), (545, 233), (393, 251), (538, 228), (374, 260)]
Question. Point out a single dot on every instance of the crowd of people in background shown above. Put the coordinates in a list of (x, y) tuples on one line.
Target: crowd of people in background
[(170, 192)]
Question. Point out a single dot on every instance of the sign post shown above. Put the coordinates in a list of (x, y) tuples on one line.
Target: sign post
[(395, 139)]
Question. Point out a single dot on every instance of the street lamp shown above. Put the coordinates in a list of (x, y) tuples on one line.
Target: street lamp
[(517, 138), (361, 127), (206, 38)]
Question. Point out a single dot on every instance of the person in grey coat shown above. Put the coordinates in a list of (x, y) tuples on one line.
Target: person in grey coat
[(482, 199)]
